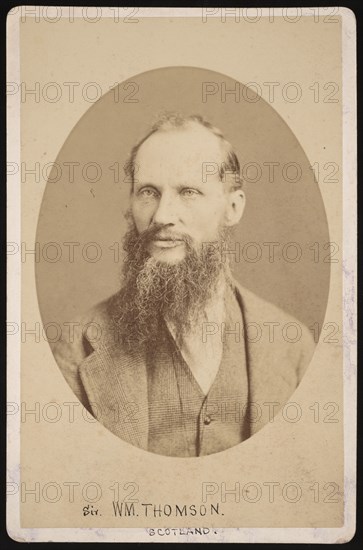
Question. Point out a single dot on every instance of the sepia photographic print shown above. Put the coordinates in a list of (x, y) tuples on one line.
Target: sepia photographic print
[(182, 274)]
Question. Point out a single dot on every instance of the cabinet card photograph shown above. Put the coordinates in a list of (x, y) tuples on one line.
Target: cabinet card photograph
[(181, 274)]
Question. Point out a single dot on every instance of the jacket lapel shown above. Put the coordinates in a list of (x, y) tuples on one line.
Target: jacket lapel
[(268, 362), (116, 385)]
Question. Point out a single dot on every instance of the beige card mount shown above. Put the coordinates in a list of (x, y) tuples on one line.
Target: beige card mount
[(182, 274)]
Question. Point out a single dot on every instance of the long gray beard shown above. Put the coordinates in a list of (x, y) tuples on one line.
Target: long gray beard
[(152, 290)]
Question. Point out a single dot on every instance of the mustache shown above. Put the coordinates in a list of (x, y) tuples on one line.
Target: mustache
[(161, 232)]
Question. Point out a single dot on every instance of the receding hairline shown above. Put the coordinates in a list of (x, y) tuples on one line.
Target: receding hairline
[(175, 122), (190, 126)]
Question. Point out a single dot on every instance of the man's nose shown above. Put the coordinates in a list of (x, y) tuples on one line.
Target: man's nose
[(166, 211)]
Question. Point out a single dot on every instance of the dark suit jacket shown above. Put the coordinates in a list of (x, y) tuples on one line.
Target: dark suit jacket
[(112, 383)]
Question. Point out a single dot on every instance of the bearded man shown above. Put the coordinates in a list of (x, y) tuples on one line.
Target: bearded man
[(173, 369)]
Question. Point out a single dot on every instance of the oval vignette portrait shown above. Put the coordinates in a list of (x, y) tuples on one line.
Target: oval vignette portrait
[(184, 267)]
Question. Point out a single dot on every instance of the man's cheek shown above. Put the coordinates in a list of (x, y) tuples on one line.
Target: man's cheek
[(140, 220)]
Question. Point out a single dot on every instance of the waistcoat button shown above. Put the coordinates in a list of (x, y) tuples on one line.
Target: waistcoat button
[(207, 420)]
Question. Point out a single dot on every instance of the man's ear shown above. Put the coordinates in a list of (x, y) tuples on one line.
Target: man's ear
[(236, 201)]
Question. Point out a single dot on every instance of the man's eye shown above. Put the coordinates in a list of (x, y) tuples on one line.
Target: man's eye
[(147, 192), (189, 192)]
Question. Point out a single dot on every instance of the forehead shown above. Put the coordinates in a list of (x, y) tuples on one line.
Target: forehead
[(180, 151)]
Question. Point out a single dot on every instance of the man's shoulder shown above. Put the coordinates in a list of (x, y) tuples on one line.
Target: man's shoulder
[(87, 331), (98, 315), (259, 309), (274, 323)]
